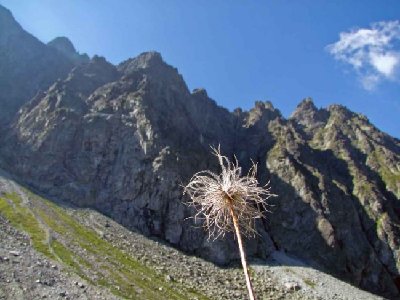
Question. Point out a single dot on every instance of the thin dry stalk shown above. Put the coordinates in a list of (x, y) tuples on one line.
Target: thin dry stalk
[(242, 255), (229, 202)]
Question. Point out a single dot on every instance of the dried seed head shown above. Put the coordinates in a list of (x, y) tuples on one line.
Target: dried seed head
[(215, 195)]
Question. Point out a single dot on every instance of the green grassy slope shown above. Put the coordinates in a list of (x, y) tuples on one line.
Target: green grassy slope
[(59, 236)]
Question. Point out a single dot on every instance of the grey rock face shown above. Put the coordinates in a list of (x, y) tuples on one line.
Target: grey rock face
[(124, 142), (124, 139)]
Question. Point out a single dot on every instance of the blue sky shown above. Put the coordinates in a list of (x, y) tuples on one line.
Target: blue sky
[(242, 51)]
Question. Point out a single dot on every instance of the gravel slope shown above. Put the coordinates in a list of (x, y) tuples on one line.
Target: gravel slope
[(309, 283), (26, 274)]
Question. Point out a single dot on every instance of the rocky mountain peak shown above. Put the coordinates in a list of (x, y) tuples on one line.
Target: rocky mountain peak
[(200, 92), (99, 59), (65, 46), (339, 109), (309, 116), (97, 64), (62, 44), (8, 25), (149, 59), (145, 60), (339, 114), (261, 113), (151, 68), (4, 12), (307, 104), (86, 77), (6, 16)]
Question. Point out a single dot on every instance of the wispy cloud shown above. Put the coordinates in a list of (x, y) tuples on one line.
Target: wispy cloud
[(374, 52)]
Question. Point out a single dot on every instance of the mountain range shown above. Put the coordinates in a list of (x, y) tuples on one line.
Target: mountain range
[(123, 139)]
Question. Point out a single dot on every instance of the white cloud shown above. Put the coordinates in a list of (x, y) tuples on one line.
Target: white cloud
[(385, 63), (372, 52), (369, 81)]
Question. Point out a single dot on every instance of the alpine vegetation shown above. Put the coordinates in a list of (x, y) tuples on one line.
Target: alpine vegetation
[(229, 202)]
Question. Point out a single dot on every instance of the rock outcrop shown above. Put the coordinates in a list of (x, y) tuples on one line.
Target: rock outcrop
[(123, 139)]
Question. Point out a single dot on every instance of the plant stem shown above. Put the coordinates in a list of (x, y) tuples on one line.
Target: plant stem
[(242, 253)]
